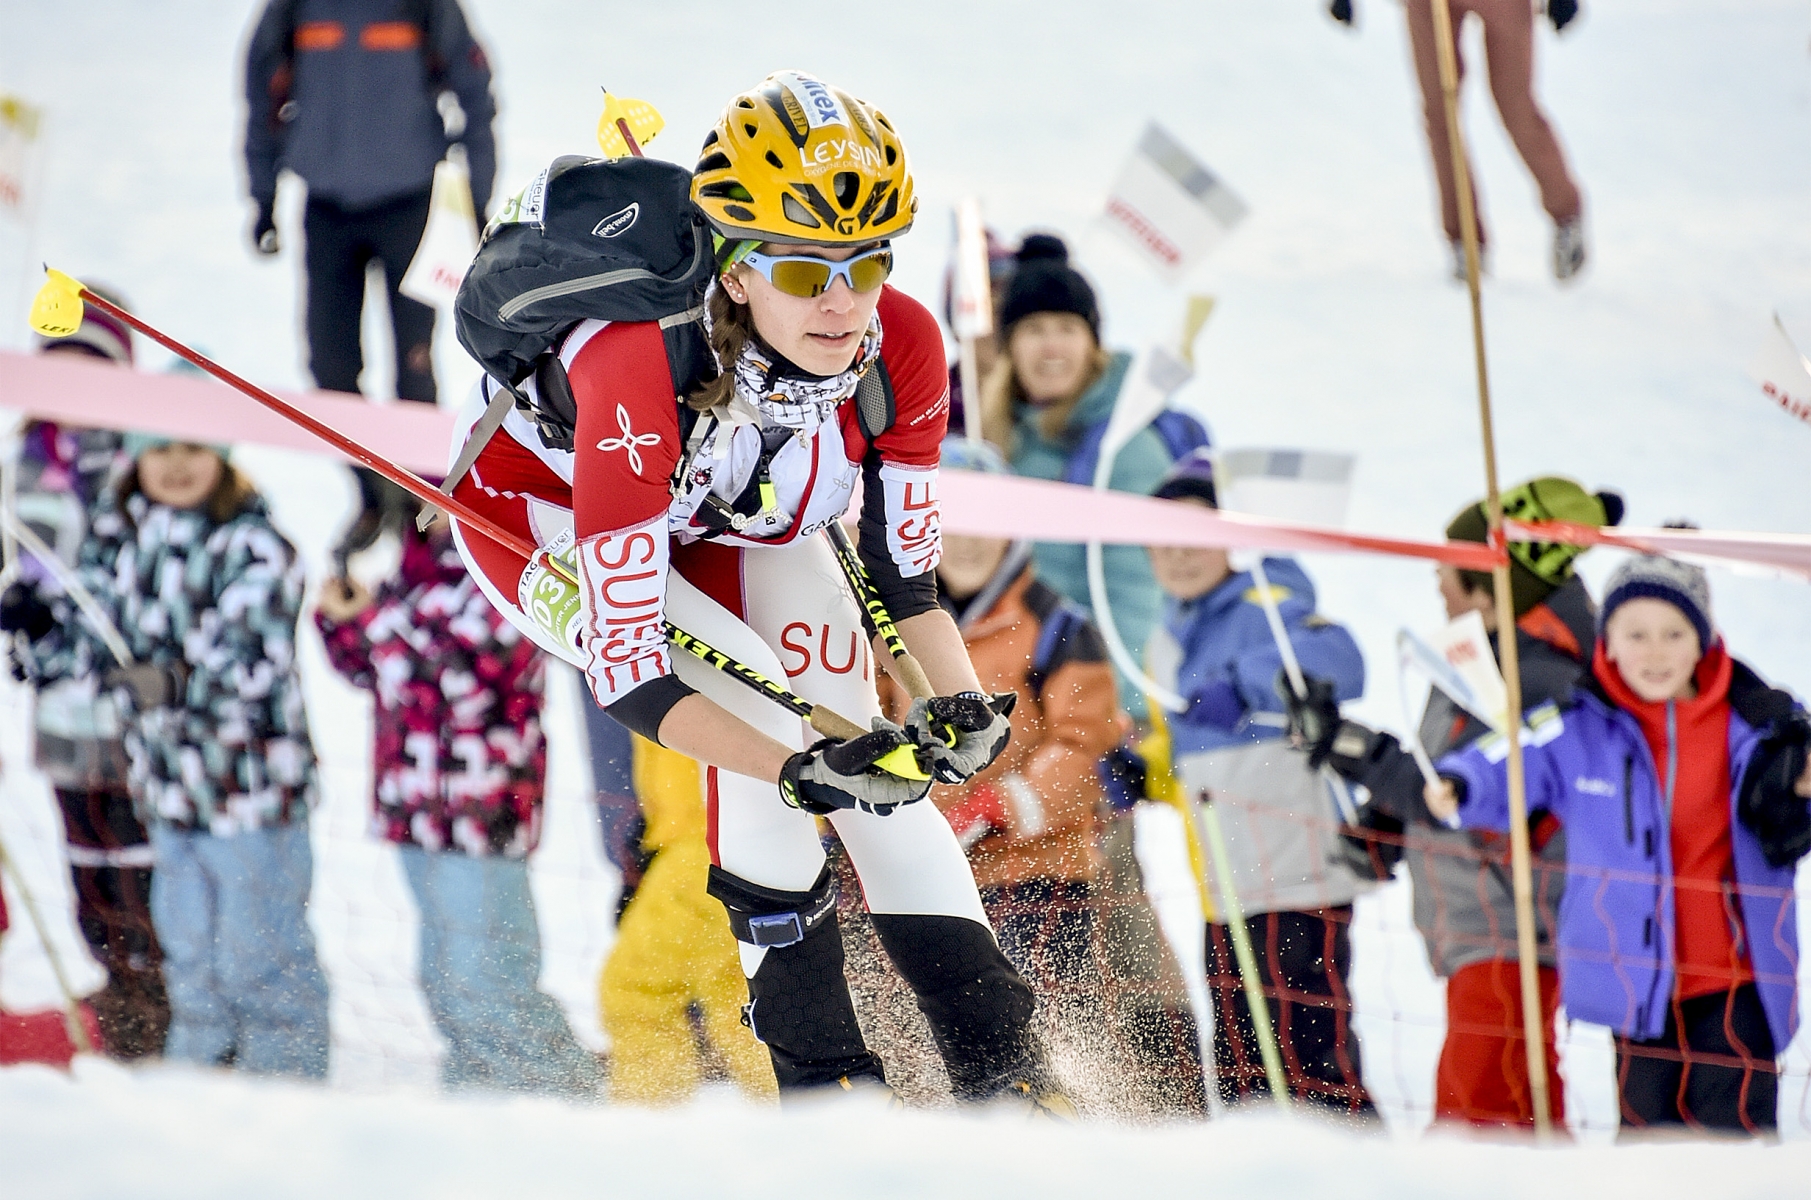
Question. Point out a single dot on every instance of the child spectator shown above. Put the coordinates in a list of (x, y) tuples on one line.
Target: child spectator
[(63, 472), (1289, 873), (1464, 904), (458, 770), (1682, 780), (205, 593), (1030, 822)]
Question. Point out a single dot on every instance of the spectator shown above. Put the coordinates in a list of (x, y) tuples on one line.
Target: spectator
[(1464, 904), (1288, 871), (63, 472), (205, 594), (1509, 52), (674, 973), (349, 95), (458, 770), (1044, 407), (1682, 780), (1030, 822)]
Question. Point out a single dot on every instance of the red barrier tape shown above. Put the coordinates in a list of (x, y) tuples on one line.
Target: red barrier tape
[(83, 392), (1783, 551), (1007, 506)]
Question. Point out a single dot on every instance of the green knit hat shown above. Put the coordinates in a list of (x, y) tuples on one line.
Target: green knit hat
[(1537, 569)]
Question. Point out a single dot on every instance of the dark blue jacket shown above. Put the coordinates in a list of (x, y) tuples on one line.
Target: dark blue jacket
[(344, 93), (1223, 637), (1589, 764)]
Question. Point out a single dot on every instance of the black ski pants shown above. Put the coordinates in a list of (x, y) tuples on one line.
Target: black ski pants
[(1711, 1068), (1303, 960), (110, 866), (341, 243)]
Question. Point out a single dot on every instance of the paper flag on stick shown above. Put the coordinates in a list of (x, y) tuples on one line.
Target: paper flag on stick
[(972, 310), (57, 310), (1783, 373), (1169, 205), (626, 126)]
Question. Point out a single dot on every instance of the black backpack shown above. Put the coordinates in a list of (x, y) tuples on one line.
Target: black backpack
[(610, 240), (596, 239)]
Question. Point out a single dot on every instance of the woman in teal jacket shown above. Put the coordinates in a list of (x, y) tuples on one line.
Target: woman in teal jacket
[(1054, 384)]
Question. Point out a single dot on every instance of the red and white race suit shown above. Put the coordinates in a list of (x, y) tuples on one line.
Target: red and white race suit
[(776, 602)]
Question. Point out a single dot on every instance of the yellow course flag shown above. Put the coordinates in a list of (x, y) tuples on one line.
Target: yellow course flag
[(642, 120), (57, 310)]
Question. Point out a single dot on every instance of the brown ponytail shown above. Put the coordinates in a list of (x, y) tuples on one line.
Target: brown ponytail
[(731, 328)]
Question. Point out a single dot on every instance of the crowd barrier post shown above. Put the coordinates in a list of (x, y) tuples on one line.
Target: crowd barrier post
[(1521, 868)]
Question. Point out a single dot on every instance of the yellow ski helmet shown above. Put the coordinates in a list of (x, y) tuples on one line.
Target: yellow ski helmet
[(797, 160)]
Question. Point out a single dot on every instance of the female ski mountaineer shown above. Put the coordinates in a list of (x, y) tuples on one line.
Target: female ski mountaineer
[(693, 497)]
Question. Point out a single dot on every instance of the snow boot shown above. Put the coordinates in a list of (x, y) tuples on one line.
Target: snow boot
[(1568, 249)]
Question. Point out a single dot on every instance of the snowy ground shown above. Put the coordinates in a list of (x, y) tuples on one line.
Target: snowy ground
[(1335, 329)]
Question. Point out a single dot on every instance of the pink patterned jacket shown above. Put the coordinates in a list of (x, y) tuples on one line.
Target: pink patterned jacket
[(459, 758)]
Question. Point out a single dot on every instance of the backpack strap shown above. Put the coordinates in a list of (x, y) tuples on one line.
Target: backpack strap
[(501, 401), (875, 408)]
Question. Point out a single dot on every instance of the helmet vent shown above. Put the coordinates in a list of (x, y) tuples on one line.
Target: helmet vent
[(775, 160), (738, 213), (751, 129), (890, 211), (798, 214), (848, 188), (892, 156), (714, 162)]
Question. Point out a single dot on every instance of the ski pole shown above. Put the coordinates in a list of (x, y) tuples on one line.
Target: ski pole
[(1342, 798), (1234, 914), (58, 311), (874, 613), (72, 1016), (84, 599)]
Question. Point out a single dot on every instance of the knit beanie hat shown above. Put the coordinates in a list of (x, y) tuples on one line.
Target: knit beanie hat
[(1192, 475), (100, 334), (1537, 569), (136, 443), (1654, 577), (1043, 281)]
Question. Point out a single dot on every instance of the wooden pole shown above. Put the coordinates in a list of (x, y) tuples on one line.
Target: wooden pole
[(1521, 865)]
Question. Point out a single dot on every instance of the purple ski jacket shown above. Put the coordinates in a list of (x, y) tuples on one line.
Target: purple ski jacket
[(1589, 764)]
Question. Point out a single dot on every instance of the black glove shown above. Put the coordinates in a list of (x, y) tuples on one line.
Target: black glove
[(1313, 719), (1561, 12), (264, 228), (1769, 804), (1341, 11), (835, 775), (1374, 845), (1124, 777), (978, 723), (151, 687), (22, 610)]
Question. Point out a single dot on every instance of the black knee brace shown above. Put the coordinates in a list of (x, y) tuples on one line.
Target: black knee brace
[(764, 916), (979, 1008), (799, 1003)]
